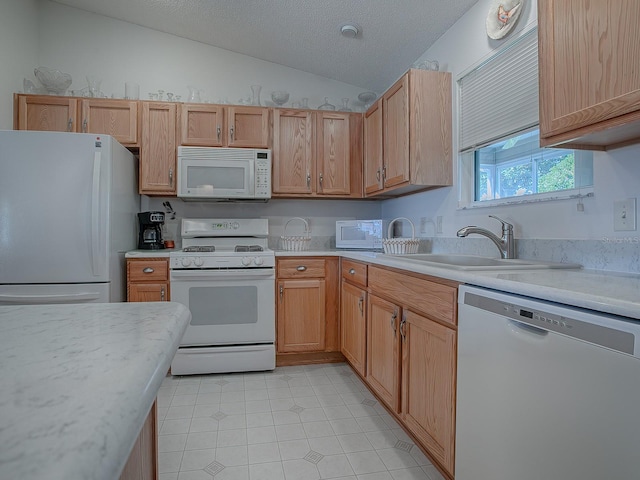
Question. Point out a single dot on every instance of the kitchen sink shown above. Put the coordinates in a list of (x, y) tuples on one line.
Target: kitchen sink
[(475, 262)]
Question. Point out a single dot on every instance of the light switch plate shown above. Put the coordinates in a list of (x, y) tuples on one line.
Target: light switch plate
[(624, 215)]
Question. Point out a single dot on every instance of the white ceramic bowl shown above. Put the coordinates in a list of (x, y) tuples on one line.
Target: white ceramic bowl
[(54, 81)]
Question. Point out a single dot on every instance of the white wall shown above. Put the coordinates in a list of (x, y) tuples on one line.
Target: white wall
[(18, 52), (83, 43), (616, 173)]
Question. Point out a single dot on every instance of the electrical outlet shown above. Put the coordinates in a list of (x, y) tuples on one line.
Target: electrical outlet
[(439, 224), (624, 215)]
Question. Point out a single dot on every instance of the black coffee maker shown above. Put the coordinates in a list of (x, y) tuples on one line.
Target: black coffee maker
[(150, 230)]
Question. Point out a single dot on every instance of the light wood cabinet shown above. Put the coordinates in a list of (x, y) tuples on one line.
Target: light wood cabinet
[(317, 154), (416, 136), (148, 280), (118, 118), (221, 126), (373, 161), (428, 384), (353, 314), (589, 80), (143, 459), (307, 305), (411, 355), (158, 149), (383, 344)]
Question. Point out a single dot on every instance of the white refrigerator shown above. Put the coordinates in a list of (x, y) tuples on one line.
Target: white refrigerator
[(68, 204)]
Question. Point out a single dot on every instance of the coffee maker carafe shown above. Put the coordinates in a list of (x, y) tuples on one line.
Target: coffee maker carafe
[(150, 231)]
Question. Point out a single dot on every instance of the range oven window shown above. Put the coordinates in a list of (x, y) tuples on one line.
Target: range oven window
[(219, 305)]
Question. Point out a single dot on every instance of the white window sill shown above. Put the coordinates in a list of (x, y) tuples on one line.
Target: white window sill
[(572, 194)]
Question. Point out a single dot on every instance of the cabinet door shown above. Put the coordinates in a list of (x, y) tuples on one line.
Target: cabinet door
[(301, 315), (353, 326), (395, 114), (383, 358), (588, 55), (201, 125), (55, 114), (248, 127), (373, 149), (293, 147), (148, 292), (333, 154), (158, 149), (118, 118), (428, 385)]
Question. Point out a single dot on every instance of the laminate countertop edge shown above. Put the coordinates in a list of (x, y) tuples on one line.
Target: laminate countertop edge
[(78, 382)]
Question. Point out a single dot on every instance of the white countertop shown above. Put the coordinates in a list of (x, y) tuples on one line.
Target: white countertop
[(610, 292), (78, 382), (150, 253)]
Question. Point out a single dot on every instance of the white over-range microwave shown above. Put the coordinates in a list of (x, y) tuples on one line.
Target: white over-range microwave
[(360, 234), (207, 173)]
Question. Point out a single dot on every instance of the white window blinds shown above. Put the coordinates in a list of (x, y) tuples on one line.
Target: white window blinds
[(500, 97)]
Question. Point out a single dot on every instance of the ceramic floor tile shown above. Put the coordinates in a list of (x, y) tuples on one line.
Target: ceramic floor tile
[(201, 440), (414, 473), (295, 423)]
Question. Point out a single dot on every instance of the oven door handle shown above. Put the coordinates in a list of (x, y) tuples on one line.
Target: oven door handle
[(199, 275)]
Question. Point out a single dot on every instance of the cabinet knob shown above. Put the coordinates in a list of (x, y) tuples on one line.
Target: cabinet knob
[(301, 268), (352, 271), (147, 270)]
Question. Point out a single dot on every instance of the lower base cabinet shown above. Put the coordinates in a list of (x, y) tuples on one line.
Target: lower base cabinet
[(307, 313), (428, 388), (411, 332), (148, 280), (143, 459)]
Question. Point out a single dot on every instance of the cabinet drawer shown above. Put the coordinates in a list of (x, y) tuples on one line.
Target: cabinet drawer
[(437, 300), (301, 267), (354, 272), (147, 270)]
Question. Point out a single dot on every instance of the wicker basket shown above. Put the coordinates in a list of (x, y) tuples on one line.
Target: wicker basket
[(298, 243), (400, 246)]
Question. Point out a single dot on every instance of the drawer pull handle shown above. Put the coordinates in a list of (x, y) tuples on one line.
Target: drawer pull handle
[(393, 322), (352, 271), (360, 304), (403, 326), (301, 268), (162, 294), (148, 270)]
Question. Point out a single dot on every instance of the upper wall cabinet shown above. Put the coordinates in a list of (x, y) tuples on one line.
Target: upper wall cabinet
[(217, 126), (158, 149), (589, 75), (413, 119), (118, 118), (317, 154)]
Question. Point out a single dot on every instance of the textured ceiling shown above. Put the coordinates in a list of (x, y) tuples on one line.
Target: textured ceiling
[(302, 34)]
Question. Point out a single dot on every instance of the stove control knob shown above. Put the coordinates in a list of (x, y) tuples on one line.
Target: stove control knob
[(246, 261), (258, 260), (198, 262), (186, 261)]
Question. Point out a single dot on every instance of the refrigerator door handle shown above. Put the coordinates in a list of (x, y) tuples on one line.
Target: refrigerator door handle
[(61, 298), (95, 216)]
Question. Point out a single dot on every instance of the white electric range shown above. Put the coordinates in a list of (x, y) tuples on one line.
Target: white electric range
[(225, 274)]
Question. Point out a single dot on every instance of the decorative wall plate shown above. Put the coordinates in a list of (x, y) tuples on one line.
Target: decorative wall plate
[(502, 17)]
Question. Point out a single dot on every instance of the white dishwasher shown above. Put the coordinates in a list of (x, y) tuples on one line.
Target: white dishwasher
[(545, 391)]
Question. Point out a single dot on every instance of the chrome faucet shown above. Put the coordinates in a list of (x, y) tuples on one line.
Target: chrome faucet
[(506, 244)]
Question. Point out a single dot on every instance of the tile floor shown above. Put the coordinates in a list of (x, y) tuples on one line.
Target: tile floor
[(295, 423)]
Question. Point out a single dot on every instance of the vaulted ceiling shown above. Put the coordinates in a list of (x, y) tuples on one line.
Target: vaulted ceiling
[(302, 34)]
